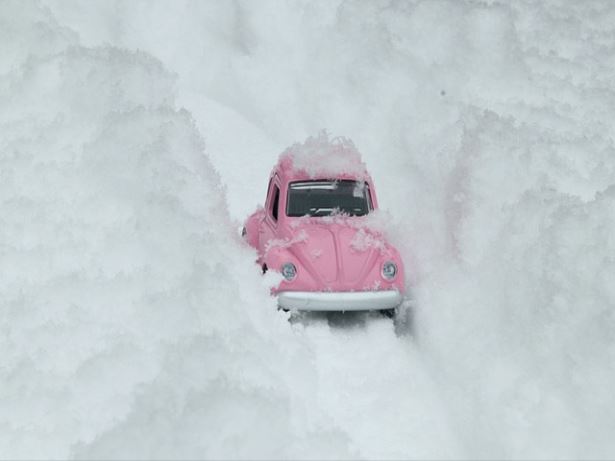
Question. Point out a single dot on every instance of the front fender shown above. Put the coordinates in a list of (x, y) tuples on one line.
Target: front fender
[(393, 255), (252, 226), (276, 257)]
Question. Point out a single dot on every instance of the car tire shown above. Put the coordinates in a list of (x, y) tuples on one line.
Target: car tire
[(404, 318)]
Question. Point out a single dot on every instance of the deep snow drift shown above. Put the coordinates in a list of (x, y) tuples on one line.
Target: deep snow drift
[(136, 325)]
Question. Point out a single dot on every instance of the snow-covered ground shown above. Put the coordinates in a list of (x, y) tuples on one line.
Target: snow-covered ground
[(136, 135)]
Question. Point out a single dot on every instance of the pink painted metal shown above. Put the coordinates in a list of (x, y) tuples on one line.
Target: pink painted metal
[(331, 253)]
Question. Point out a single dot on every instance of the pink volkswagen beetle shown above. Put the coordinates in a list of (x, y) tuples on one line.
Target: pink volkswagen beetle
[(315, 230)]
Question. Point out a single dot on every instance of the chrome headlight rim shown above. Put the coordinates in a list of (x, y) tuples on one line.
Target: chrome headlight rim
[(288, 271), (389, 270)]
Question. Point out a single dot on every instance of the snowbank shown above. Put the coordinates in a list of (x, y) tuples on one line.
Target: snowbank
[(529, 364), (134, 322), (487, 129)]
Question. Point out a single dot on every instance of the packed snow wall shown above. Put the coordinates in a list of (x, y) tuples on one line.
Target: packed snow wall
[(134, 323), (486, 126)]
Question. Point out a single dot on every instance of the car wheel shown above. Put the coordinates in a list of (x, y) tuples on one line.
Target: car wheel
[(404, 318)]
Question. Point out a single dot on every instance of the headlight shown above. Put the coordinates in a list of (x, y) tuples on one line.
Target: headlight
[(289, 271), (389, 270)]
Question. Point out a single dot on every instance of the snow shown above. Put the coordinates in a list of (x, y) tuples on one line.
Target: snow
[(364, 240), (300, 236), (134, 138), (322, 157)]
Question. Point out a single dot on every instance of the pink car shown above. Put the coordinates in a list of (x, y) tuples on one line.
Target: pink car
[(314, 230)]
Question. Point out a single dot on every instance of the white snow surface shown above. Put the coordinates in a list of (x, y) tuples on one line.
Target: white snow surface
[(322, 157), (136, 135)]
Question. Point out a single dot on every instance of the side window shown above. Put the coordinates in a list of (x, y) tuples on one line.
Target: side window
[(275, 202)]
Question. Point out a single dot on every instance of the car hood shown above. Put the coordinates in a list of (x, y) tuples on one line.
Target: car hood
[(337, 254)]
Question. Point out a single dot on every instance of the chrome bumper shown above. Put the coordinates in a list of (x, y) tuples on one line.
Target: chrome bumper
[(339, 300)]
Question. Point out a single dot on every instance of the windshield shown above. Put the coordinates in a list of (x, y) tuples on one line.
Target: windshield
[(322, 198)]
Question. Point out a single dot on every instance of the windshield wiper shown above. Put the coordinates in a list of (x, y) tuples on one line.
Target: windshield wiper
[(317, 211)]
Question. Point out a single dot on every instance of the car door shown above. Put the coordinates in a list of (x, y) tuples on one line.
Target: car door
[(269, 225)]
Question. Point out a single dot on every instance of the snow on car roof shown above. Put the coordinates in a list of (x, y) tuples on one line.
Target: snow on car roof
[(322, 157)]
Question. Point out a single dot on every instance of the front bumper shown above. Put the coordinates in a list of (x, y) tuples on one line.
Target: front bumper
[(339, 300)]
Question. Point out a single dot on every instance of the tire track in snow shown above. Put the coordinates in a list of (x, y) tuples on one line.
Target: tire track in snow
[(376, 388)]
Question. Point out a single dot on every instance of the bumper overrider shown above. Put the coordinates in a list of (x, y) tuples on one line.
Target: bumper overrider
[(339, 300)]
